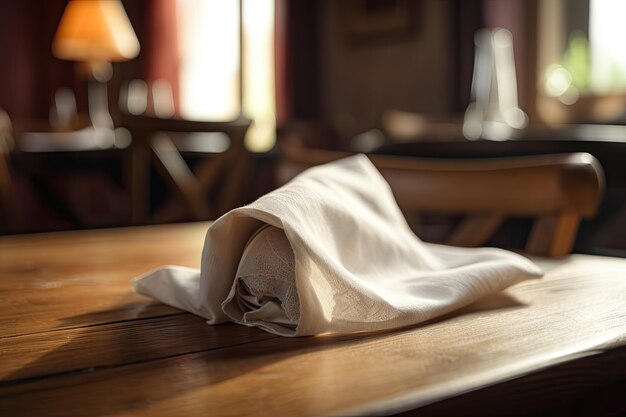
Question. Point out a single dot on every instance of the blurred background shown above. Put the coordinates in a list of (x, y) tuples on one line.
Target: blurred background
[(117, 113)]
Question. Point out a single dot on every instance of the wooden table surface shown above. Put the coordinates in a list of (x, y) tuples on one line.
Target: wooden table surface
[(75, 340)]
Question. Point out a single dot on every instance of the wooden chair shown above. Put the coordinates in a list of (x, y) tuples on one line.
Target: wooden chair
[(557, 191), (163, 138), (221, 172)]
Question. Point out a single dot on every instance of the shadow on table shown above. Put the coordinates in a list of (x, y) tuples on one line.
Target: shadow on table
[(107, 368)]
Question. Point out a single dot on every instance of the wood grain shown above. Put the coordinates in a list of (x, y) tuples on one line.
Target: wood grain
[(65, 280), (115, 344), (576, 311), (568, 327)]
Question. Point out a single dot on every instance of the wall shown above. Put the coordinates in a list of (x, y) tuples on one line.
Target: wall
[(413, 73)]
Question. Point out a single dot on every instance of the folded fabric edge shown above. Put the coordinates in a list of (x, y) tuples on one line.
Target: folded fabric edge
[(176, 286), (462, 253)]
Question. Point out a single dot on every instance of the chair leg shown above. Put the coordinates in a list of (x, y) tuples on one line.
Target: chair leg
[(138, 182), (475, 230), (553, 235), (179, 173), (211, 171), (235, 184)]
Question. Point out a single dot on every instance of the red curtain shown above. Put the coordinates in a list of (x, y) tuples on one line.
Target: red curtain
[(161, 59), (298, 69), (30, 75), (281, 65)]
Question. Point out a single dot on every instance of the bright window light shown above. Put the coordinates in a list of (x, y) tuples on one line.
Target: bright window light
[(607, 32), (258, 73), (210, 64)]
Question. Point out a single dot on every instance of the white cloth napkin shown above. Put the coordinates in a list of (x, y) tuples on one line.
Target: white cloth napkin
[(329, 252)]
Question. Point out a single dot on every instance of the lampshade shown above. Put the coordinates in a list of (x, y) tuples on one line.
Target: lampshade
[(95, 31)]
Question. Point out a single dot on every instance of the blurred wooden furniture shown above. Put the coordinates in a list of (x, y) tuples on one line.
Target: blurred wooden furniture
[(413, 134), (61, 177), (224, 166), (204, 191), (556, 190), (401, 126), (606, 232), (6, 145), (606, 143), (76, 340)]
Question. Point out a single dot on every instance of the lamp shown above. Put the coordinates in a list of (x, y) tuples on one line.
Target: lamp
[(96, 33)]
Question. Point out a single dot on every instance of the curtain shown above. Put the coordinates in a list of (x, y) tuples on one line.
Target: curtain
[(161, 60), (30, 75), (281, 65)]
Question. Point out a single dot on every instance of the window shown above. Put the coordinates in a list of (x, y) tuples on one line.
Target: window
[(582, 61), (607, 32), (222, 74)]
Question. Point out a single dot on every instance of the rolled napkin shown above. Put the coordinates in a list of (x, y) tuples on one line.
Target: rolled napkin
[(329, 252), (265, 283)]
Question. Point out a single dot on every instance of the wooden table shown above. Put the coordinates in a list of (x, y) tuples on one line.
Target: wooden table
[(75, 340)]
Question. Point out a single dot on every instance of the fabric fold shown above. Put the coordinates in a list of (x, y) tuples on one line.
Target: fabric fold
[(330, 252)]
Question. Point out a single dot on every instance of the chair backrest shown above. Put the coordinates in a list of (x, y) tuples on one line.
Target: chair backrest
[(226, 170), (557, 191), (222, 171)]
